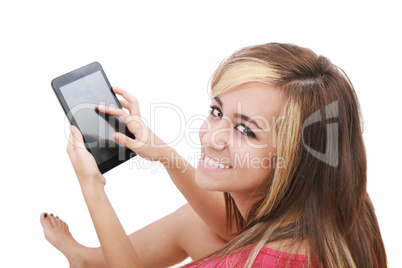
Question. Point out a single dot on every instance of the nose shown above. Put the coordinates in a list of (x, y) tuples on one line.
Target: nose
[(216, 134)]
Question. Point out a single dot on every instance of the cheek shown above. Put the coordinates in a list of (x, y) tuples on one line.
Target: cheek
[(204, 128), (255, 160), (258, 164)]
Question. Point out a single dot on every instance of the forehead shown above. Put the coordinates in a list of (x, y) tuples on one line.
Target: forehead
[(253, 99)]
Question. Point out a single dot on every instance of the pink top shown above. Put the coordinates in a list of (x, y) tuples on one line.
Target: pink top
[(266, 258)]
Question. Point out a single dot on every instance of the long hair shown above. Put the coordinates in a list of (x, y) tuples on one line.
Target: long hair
[(318, 197)]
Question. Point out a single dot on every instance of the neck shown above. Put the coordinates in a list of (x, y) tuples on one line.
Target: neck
[(244, 202)]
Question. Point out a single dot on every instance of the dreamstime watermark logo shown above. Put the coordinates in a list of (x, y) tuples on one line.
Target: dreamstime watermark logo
[(237, 161), (270, 161), (330, 156), (98, 130), (97, 126)]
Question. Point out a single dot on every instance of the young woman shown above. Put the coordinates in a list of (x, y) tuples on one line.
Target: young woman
[(283, 143)]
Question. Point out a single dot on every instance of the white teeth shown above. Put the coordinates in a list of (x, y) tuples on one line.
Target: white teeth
[(214, 163)]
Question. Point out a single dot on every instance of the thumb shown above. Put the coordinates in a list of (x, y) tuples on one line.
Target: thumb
[(76, 138)]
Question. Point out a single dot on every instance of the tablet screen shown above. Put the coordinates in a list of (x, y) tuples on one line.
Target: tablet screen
[(83, 96)]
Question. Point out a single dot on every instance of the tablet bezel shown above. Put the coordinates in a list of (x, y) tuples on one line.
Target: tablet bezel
[(75, 75)]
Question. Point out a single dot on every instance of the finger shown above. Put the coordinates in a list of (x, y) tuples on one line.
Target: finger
[(124, 104), (78, 139), (127, 142), (120, 113), (70, 145), (132, 101), (75, 139)]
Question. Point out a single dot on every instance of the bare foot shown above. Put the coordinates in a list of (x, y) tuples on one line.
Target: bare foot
[(57, 233)]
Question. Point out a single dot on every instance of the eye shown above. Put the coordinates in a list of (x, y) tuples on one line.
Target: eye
[(215, 111), (245, 130)]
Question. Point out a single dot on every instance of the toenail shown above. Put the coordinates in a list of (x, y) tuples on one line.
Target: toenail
[(51, 214), (45, 215)]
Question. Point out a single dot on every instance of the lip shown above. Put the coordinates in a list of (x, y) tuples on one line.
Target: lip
[(206, 166)]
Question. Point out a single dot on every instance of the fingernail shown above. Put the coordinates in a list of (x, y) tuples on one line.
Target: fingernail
[(72, 129)]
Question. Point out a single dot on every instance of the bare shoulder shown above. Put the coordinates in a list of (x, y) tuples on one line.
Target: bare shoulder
[(195, 236)]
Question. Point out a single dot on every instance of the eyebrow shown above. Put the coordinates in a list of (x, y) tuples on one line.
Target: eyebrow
[(218, 100), (241, 116), (246, 118)]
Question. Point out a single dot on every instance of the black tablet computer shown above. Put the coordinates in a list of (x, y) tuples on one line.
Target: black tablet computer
[(79, 93)]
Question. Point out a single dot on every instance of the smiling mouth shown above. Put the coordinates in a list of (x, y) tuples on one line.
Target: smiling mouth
[(215, 164)]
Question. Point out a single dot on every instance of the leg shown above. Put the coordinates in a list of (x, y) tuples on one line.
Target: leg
[(161, 244)]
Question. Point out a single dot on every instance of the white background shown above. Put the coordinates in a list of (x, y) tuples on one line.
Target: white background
[(166, 51)]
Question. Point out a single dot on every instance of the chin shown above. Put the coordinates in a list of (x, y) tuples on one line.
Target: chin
[(203, 183), (206, 182)]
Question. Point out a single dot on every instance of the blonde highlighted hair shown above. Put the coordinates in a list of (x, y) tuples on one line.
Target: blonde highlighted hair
[(320, 203)]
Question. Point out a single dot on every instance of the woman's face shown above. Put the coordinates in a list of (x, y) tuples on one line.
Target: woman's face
[(239, 140)]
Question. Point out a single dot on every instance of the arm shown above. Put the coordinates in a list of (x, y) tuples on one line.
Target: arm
[(208, 205), (174, 237), (167, 241), (116, 246), (160, 244)]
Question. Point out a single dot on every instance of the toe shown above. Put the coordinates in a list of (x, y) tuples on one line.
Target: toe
[(57, 221), (65, 227), (44, 220), (53, 220)]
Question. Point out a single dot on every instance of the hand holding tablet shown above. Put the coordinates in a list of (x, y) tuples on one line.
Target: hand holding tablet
[(80, 92)]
